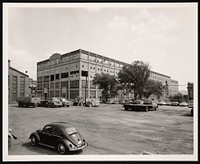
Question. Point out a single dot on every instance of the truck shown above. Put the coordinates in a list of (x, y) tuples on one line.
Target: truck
[(27, 102), (139, 105), (190, 96)]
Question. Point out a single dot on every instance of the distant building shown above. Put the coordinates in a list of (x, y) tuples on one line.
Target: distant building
[(32, 87), (171, 86), (63, 75), (18, 84)]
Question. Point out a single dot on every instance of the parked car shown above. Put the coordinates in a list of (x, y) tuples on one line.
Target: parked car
[(54, 102), (151, 103), (60, 135), (137, 102), (168, 103), (43, 103), (92, 103), (78, 101), (64, 102), (161, 103), (175, 103), (183, 104)]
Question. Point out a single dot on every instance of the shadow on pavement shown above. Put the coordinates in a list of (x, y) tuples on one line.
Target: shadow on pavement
[(40, 149), (187, 115)]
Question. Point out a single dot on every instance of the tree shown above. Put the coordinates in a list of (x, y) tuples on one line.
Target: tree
[(108, 83), (153, 87), (137, 74), (177, 97)]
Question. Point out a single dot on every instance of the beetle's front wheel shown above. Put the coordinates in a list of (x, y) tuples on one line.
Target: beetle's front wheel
[(61, 148)]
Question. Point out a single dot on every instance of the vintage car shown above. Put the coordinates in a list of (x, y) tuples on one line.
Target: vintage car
[(139, 105), (60, 135), (175, 103), (183, 104), (168, 103), (54, 102), (161, 102), (152, 104), (78, 101), (64, 102), (92, 103)]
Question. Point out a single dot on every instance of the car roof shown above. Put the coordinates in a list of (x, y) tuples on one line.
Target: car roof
[(61, 125)]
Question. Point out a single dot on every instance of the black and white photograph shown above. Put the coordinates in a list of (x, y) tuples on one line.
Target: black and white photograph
[(100, 81)]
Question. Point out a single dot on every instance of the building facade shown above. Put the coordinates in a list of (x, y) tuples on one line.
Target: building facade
[(18, 84), (171, 86), (63, 75), (32, 87)]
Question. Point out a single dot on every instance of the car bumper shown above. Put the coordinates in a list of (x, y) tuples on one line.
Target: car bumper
[(78, 148)]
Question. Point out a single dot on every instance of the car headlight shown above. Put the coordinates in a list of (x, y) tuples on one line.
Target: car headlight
[(71, 146)]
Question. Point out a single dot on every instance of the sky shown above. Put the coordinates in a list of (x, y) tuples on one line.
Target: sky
[(165, 36)]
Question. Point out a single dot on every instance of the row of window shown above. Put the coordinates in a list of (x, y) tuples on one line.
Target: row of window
[(14, 89), (65, 75), (58, 76), (76, 56), (64, 84)]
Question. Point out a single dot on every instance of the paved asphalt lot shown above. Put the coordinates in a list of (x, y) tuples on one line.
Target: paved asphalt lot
[(109, 129)]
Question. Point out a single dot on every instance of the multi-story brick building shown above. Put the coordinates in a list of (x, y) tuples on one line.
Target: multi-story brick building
[(63, 75), (171, 85), (18, 84)]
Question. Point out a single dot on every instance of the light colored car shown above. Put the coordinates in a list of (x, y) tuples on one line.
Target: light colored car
[(168, 103), (183, 104), (92, 102), (161, 103), (54, 102), (64, 102), (175, 103)]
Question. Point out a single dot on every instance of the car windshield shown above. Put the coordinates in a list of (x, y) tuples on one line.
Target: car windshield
[(137, 102), (71, 130), (147, 102)]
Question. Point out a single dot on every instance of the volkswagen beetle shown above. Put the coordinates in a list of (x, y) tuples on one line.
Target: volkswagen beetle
[(59, 135)]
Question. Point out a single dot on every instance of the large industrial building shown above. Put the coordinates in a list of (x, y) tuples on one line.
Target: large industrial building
[(63, 75), (18, 84)]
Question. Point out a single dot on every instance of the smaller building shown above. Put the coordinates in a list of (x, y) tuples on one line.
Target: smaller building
[(32, 87), (18, 84)]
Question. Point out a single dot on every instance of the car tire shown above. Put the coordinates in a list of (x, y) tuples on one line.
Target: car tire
[(34, 141), (61, 148)]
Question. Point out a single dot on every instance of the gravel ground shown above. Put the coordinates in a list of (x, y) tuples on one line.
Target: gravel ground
[(109, 129)]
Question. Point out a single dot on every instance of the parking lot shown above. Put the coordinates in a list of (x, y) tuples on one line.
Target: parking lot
[(108, 129)]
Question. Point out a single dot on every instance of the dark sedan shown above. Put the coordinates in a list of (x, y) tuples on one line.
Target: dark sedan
[(60, 135)]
